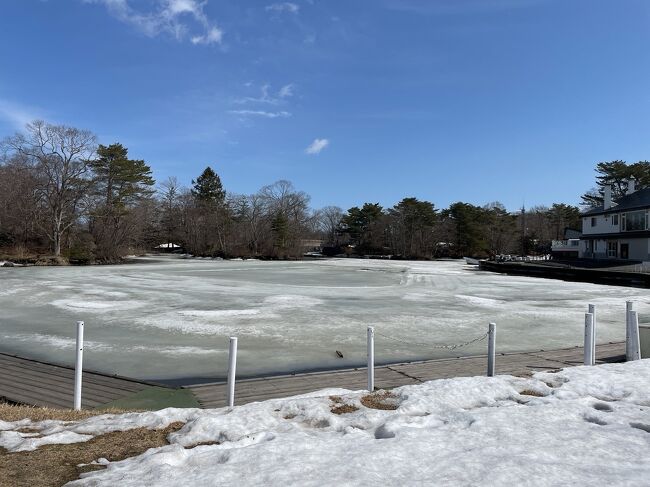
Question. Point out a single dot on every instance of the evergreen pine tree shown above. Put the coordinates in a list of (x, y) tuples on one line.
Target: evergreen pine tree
[(207, 187)]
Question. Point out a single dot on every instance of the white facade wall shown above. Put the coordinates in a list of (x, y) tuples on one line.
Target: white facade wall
[(638, 248), (604, 224)]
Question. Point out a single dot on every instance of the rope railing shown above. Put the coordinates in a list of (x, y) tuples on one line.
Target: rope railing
[(435, 345)]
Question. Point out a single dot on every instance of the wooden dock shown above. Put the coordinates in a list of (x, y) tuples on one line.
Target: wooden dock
[(214, 395), (38, 383), (35, 383)]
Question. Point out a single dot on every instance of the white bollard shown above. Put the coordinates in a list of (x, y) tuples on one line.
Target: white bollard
[(635, 343), (629, 306), (371, 358), (232, 369), (592, 310), (78, 368), (492, 349), (589, 338)]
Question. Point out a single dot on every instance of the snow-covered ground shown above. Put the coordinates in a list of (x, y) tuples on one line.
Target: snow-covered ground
[(169, 317), (591, 426)]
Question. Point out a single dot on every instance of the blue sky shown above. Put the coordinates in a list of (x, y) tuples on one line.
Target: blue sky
[(352, 101)]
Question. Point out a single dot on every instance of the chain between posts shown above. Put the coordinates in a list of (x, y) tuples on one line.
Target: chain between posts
[(445, 347)]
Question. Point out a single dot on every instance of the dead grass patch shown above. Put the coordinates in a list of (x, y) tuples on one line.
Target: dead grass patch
[(202, 443), (11, 412), (339, 407), (28, 430), (530, 392), (55, 465), (344, 409), (380, 400)]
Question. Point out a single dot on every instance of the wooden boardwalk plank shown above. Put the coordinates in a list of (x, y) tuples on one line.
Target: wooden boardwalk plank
[(68, 372), (40, 379), (389, 376), (50, 385)]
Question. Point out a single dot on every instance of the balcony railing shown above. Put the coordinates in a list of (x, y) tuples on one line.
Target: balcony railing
[(570, 244)]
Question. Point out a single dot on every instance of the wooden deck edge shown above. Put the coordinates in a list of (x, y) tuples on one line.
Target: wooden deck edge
[(93, 372), (386, 365)]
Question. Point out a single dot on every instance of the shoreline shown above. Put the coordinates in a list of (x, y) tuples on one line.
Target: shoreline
[(131, 259), (571, 274)]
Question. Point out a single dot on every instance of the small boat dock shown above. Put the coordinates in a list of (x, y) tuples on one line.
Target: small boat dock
[(31, 382)]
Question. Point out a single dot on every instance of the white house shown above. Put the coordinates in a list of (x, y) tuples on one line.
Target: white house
[(618, 230)]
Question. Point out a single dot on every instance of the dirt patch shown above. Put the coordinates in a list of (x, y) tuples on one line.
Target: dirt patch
[(380, 400), (530, 392), (344, 409), (11, 412), (55, 465)]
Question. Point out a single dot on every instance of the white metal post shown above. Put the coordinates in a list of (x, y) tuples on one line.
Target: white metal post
[(371, 358), (635, 343), (232, 369), (589, 338), (492, 341), (592, 310), (78, 368), (629, 306)]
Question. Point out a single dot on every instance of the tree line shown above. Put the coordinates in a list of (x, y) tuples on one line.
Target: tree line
[(64, 195)]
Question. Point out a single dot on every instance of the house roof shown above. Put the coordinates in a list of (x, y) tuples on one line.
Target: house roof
[(638, 199)]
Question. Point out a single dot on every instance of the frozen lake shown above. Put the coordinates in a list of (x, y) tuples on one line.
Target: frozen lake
[(167, 318)]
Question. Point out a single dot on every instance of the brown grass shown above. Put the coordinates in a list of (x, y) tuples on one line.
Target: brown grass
[(344, 409), (380, 400), (11, 412), (530, 392), (55, 465)]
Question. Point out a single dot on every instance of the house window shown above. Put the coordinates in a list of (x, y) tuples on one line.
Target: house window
[(612, 248), (615, 220), (634, 221), (593, 221)]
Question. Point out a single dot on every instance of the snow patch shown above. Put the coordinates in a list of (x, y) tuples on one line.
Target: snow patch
[(453, 431)]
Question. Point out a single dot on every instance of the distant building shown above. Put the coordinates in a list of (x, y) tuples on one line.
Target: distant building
[(569, 247), (618, 230), (167, 247), (311, 245)]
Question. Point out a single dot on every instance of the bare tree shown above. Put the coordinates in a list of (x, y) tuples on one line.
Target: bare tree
[(288, 212), (60, 155), (329, 223), (169, 193), (19, 211)]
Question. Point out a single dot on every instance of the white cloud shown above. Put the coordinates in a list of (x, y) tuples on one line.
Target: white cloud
[(283, 7), (180, 19), (266, 97), (317, 145), (260, 113), (213, 36), (286, 91), (16, 115)]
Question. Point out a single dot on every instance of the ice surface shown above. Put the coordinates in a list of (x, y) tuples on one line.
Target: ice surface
[(165, 318), (581, 426)]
